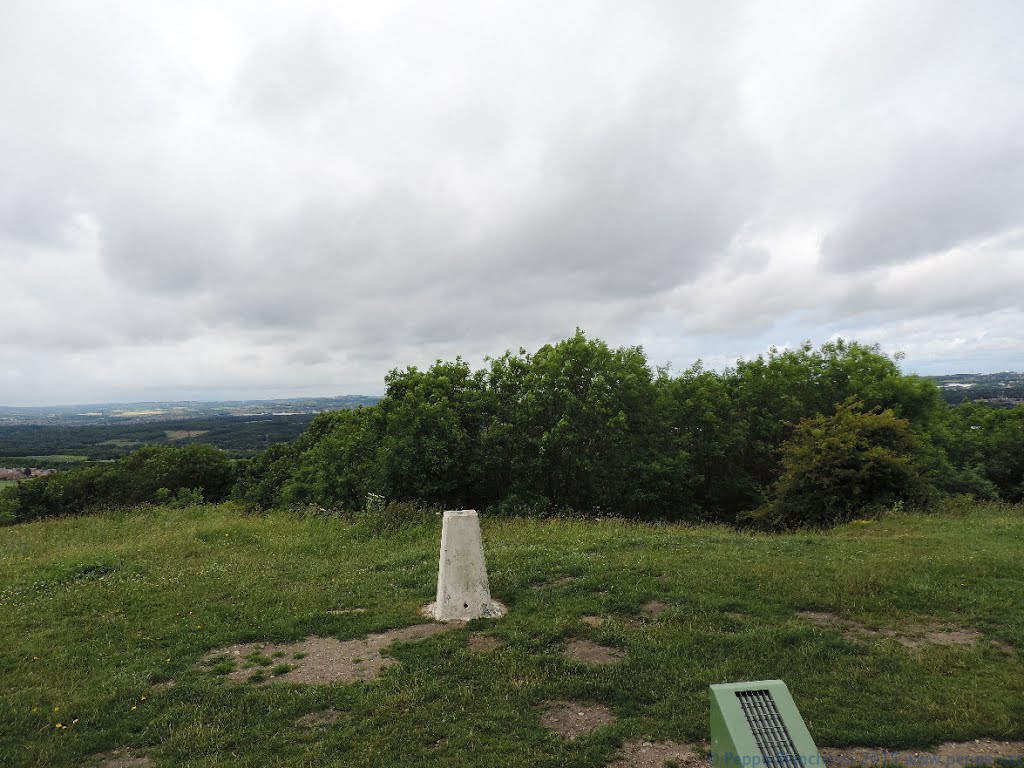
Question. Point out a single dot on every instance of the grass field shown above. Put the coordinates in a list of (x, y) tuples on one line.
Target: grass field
[(100, 613), (5, 483)]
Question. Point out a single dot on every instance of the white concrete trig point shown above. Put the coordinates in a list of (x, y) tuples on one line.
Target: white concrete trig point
[(462, 589)]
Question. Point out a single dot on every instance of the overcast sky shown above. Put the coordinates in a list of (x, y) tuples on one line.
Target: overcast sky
[(254, 199)]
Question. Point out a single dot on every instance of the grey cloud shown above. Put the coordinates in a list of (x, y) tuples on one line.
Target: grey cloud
[(939, 286), (315, 193), (165, 246), (937, 199), (632, 211), (41, 217), (290, 79), (40, 197), (325, 263)]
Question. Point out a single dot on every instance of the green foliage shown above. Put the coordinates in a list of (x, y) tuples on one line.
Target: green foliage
[(188, 475), (986, 448), (260, 480), (703, 457), (581, 426), (183, 497), (8, 505), (771, 394), (336, 468), (573, 423), (429, 429), (836, 467)]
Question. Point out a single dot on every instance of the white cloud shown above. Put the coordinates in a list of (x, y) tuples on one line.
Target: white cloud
[(273, 198)]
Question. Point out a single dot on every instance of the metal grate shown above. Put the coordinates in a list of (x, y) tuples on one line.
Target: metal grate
[(769, 731)]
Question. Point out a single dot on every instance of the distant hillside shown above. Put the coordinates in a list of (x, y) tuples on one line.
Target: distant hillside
[(59, 436), (1004, 389), (140, 413)]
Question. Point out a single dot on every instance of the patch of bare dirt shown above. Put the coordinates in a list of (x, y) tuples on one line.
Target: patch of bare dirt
[(914, 637), (125, 758), (654, 608), (344, 611), (952, 754), (164, 685), (590, 652), (655, 754), (563, 581), (323, 717), (951, 637), (573, 719), (592, 621), (315, 660), (483, 643)]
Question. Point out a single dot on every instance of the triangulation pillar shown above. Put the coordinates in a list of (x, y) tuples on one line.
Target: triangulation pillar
[(462, 589)]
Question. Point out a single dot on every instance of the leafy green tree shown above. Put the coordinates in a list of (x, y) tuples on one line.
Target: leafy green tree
[(338, 466), (836, 467), (261, 480), (579, 418), (135, 479), (772, 393), (431, 422), (1004, 464), (985, 448), (701, 448)]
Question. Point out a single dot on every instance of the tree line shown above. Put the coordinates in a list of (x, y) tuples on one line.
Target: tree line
[(807, 436), (239, 435)]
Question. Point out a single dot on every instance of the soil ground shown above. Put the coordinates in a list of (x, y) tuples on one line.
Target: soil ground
[(653, 754), (590, 652), (949, 755), (914, 637), (315, 660), (573, 719)]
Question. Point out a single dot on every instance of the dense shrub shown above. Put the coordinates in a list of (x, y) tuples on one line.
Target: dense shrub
[(837, 467), (155, 473), (579, 425), (986, 448), (802, 436), (259, 480)]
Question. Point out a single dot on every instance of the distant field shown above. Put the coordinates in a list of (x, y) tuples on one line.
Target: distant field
[(55, 445), (5, 483), (34, 461), (902, 632), (185, 434)]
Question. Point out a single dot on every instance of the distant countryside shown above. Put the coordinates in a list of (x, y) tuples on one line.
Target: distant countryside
[(795, 437), (243, 584), (57, 437)]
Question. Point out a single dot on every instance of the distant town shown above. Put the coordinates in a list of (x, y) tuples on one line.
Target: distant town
[(999, 389)]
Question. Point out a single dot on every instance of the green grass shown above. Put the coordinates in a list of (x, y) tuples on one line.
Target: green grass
[(6, 483), (96, 610)]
